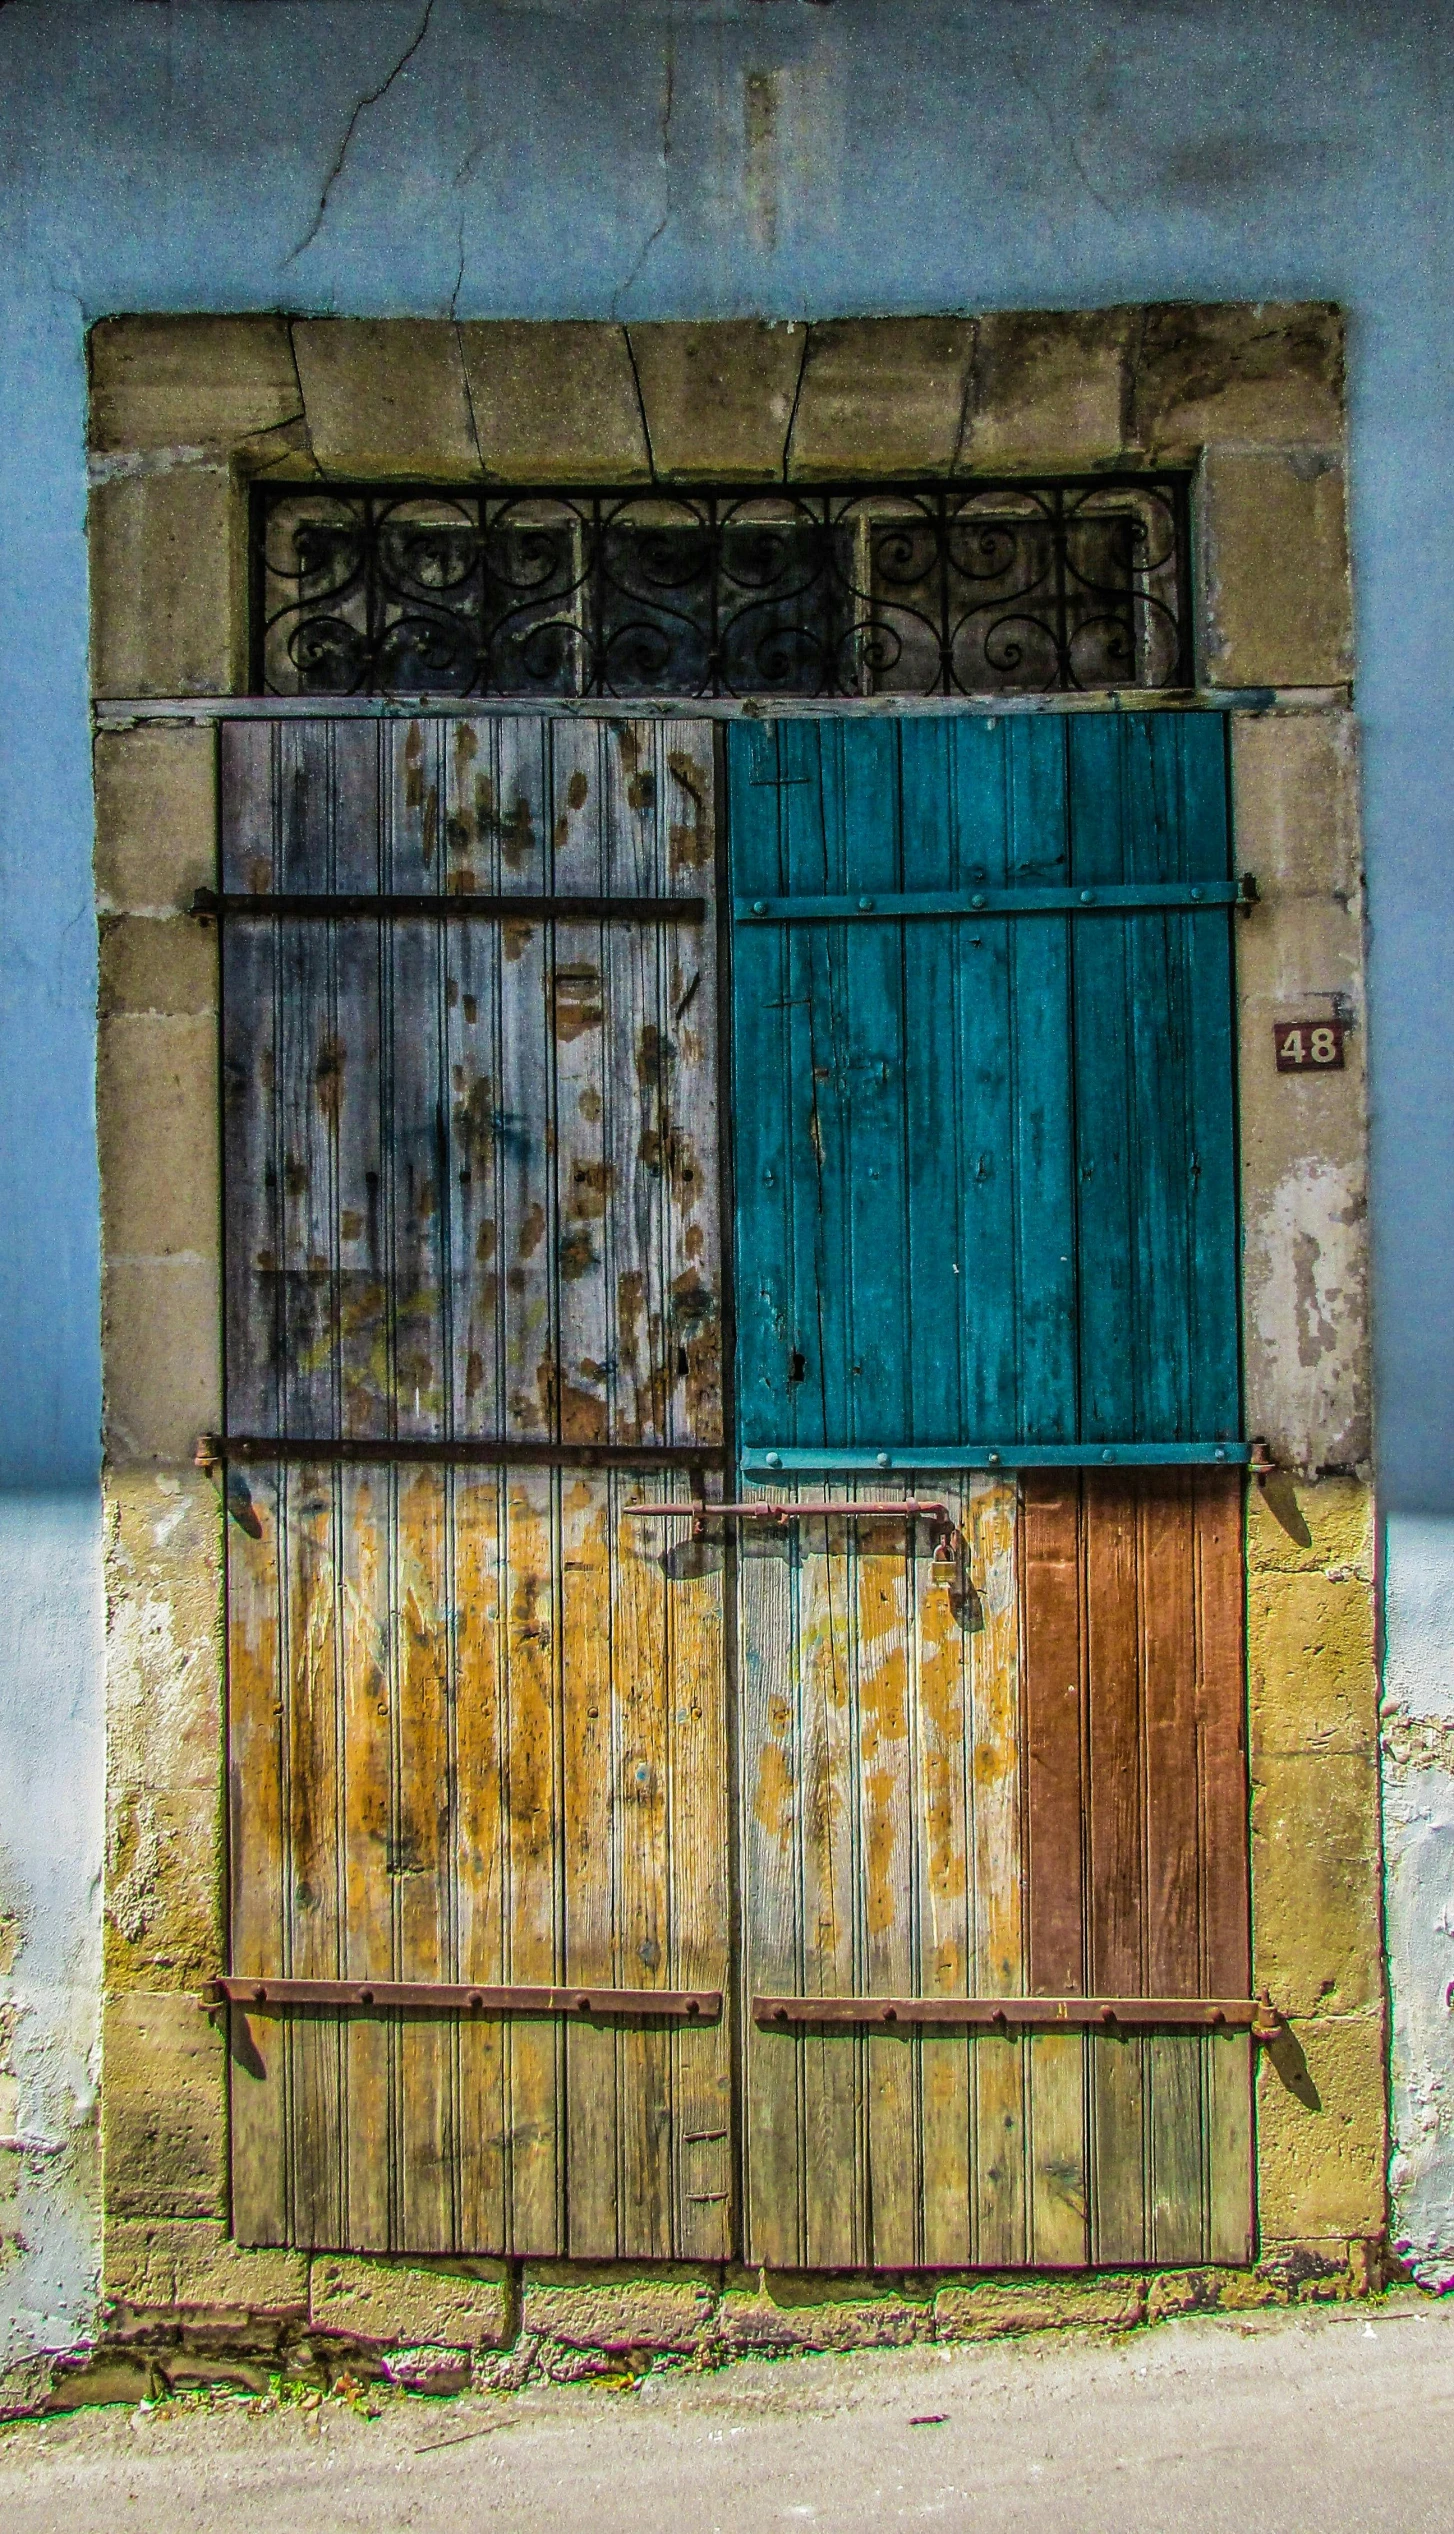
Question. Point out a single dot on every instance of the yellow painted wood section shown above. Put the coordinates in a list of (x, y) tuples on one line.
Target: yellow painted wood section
[(498, 1782), (882, 1857)]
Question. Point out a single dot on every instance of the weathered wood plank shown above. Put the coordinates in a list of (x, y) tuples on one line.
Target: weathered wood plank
[(1051, 1692), (421, 1863), (481, 1591), (256, 1654), (369, 1711), (313, 1786)]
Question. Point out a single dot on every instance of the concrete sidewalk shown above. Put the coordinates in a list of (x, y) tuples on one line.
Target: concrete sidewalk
[(1291, 2423)]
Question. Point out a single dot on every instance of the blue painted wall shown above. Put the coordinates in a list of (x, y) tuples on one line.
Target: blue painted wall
[(589, 159)]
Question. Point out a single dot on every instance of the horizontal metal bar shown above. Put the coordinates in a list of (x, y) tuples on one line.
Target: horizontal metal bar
[(123, 712), (472, 1998), (213, 1450), (1198, 2014), (783, 1460), (1150, 897), (500, 910)]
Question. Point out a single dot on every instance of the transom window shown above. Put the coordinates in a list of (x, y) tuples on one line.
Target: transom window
[(966, 588)]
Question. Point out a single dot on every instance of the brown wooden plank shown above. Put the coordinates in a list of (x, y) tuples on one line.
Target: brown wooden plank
[(367, 1935), (1221, 1697), (255, 1645), (422, 1861), (1168, 1603), (1116, 1826), (1051, 1690), (1001, 2199)]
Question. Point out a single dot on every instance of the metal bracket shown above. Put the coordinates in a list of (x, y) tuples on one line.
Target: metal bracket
[(471, 1997), (699, 1511), (1256, 2016)]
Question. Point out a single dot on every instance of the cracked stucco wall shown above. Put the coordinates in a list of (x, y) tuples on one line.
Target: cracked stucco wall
[(1417, 1721), (626, 161)]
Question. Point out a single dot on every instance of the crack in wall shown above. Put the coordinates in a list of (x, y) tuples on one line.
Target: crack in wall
[(668, 102), (364, 103), (797, 400)]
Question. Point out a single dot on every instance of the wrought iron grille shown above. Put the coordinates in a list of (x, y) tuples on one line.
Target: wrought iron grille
[(965, 588)]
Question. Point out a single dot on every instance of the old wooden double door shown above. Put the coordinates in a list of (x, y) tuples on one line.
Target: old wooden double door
[(622, 1113)]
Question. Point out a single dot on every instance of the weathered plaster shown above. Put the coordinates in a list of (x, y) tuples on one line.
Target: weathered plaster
[(51, 1770), (1417, 1718)]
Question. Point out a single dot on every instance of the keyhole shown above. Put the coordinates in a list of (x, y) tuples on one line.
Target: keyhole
[(797, 1368), (683, 1367)]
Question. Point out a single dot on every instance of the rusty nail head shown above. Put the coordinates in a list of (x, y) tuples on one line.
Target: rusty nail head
[(260, 1995), (584, 2004), (891, 2014), (780, 2015), (475, 1997), (694, 2006)]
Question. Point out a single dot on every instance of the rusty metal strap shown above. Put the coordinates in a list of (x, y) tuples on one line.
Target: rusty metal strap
[(210, 903), (463, 1998), (496, 1452), (1256, 2015), (1146, 897)]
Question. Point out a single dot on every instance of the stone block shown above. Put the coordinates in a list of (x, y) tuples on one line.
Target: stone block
[(162, 964), (1315, 1882), (163, 1910), (882, 396), (1048, 391), (156, 1092), (718, 398), (1321, 2132), (386, 396), (555, 403), (587, 2307), (1279, 601), (993, 2308), (118, 2376), (163, 1628), (161, 1341), (213, 383), (1311, 1526), (1265, 374), (786, 2310), (397, 2305), (163, 2103), (197, 2371), (1295, 804), (190, 2264), (1312, 1677), (167, 583), (156, 818)]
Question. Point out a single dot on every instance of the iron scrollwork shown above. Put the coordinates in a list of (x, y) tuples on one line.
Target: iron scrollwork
[(964, 588)]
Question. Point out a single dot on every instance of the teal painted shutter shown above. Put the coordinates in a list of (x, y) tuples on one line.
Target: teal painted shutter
[(984, 1161)]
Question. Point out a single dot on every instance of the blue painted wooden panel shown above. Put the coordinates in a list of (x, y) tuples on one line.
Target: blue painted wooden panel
[(985, 1163)]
